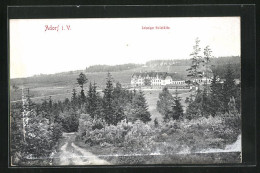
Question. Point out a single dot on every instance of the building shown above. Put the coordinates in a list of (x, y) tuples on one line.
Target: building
[(159, 79), (154, 79)]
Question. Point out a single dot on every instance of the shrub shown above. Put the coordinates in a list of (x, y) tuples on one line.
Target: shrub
[(70, 122)]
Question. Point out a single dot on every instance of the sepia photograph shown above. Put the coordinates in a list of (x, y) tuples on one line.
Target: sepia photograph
[(125, 91)]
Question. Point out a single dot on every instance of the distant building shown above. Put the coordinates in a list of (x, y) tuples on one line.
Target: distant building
[(159, 79)]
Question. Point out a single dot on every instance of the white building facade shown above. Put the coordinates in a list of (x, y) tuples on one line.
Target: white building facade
[(154, 79)]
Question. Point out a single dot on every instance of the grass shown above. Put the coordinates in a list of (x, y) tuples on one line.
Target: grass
[(64, 82), (59, 87), (109, 154)]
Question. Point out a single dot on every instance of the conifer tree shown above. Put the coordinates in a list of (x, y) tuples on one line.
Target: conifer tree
[(164, 104), (74, 100), (205, 106), (215, 96), (89, 106), (206, 60), (177, 107), (229, 88), (140, 108), (108, 109), (119, 102), (93, 102), (194, 71), (97, 102), (82, 79)]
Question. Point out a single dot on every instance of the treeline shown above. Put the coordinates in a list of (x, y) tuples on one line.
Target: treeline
[(209, 100), (220, 70), (157, 63), (35, 132), (112, 68), (37, 128), (187, 62)]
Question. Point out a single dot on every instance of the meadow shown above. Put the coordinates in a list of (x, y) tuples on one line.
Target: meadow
[(59, 86)]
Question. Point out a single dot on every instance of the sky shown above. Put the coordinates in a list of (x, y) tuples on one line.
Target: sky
[(35, 50)]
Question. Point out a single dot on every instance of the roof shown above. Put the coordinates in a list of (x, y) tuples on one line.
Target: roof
[(161, 75)]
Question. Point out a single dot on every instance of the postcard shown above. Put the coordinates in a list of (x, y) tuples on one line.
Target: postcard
[(125, 91)]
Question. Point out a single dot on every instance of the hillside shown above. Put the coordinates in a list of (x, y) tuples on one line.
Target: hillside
[(63, 83)]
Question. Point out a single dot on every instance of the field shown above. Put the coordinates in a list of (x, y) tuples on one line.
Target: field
[(42, 86), (59, 86), (61, 92), (63, 83)]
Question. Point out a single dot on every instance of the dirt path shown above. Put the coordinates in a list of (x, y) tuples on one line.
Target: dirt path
[(70, 154)]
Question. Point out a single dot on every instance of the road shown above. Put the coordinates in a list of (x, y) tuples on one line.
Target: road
[(70, 154)]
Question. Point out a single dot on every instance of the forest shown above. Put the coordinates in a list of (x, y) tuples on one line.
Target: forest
[(116, 121)]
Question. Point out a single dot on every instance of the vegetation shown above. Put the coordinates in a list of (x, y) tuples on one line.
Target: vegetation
[(115, 120), (165, 104), (114, 68)]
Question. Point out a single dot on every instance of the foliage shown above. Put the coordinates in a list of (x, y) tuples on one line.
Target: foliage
[(74, 100), (139, 109), (229, 88), (177, 110), (217, 99), (198, 134), (82, 79), (156, 123), (114, 68), (165, 103), (215, 96), (94, 102), (147, 82), (121, 99), (33, 136), (194, 71), (108, 109), (70, 121), (220, 69)]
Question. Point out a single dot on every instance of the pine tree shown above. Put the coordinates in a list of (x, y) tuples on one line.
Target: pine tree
[(108, 109), (206, 60), (74, 100), (82, 79), (89, 106), (93, 102), (215, 96), (205, 107), (164, 104), (177, 107), (229, 88), (140, 108), (119, 103), (194, 71)]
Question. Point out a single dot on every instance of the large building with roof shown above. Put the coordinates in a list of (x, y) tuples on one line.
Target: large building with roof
[(159, 79)]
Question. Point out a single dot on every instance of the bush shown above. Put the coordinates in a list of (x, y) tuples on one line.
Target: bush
[(197, 134), (56, 131), (70, 122), (139, 139)]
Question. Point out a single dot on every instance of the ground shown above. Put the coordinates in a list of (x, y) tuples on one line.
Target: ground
[(70, 154)]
